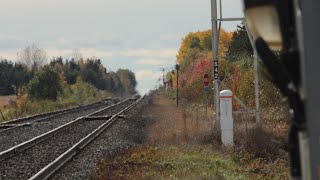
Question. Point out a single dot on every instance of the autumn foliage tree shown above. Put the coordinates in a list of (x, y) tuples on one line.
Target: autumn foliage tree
[(44, 81), (195, 59)]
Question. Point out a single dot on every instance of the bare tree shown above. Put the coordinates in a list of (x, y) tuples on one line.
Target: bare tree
[(77, 55), (32, 56)]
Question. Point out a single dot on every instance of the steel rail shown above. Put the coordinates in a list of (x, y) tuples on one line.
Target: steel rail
[(55, 165), (54, 113), (30, 143)]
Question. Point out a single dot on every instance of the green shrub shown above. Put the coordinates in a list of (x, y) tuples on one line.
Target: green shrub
[(45, 85)]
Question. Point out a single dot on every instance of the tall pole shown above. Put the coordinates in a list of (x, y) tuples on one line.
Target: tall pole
[(215, 54), (215, 57), (163, 82), (256, 75), (177, 68), (256, 84), (177, 87)]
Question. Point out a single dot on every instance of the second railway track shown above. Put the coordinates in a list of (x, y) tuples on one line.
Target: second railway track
[(25, 161), (40, 124), (48, 115)]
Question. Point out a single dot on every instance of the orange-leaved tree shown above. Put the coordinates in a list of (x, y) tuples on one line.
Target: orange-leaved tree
[(195, 59)]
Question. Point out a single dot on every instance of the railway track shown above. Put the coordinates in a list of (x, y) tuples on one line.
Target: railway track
[(45, 116), (27, 128), (41, 156)]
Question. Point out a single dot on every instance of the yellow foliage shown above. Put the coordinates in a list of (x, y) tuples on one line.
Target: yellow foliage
[(197, 45), (224, 41), (21, 102)]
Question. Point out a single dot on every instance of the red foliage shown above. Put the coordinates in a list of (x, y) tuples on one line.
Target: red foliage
[(195, 72)]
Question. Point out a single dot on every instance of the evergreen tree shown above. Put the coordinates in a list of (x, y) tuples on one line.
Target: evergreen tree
[(45, 85), (240, 44)]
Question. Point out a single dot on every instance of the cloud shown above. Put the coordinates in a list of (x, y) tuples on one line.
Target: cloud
[(53, 52), (8, 42), (86, 53), (170, 37), (145, 54), (148, 56), (152, 61), (159, 53), (8, 54), (63, 43), (144, 86), (146, 79), (105, 43), (147, 75), (88, 47)]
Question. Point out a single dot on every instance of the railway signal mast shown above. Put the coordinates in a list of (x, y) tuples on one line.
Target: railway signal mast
[(215, 56), (288, 26)]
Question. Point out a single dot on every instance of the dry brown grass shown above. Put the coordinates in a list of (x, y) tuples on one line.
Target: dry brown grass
[(257, 153), (190, 123), (267, 141), (7, 101), (177, 125)]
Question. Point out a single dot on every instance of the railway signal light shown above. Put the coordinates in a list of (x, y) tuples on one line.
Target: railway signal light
[(177, 67)]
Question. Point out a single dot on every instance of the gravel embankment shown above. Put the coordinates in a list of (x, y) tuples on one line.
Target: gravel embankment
[(20, 134), (29, 162), (123, 134)]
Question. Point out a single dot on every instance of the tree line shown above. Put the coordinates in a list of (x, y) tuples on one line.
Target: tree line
[(235, 51), (31, 75)]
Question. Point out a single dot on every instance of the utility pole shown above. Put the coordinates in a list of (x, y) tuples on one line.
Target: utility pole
[(215, 57), (177, 68), (256, 84), (215, 53), (256, 75)]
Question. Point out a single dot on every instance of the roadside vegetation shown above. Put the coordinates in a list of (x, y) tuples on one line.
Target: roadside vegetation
[(257, 148), (236, 72), (169, 162), (188, 162), (183, 143), (62, 83), (235, 52)]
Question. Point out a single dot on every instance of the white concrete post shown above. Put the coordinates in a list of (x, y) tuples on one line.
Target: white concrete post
[(226, 123)]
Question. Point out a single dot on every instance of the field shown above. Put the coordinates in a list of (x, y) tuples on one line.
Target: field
[(6, 100)]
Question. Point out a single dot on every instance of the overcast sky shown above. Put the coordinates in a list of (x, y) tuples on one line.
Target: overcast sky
[(142, 35)]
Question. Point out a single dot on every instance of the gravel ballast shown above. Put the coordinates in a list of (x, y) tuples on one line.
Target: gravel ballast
[(123, 134), (29, 162), (20, 134)]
